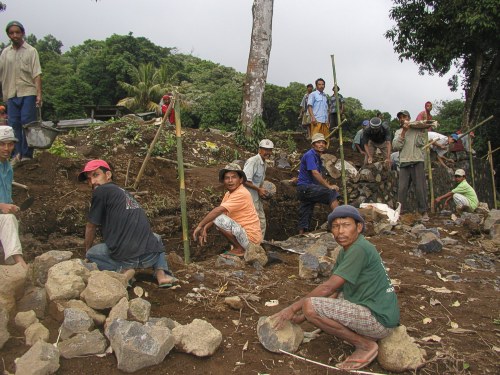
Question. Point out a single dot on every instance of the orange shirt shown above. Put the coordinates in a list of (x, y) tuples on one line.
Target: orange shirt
[(241, 209)]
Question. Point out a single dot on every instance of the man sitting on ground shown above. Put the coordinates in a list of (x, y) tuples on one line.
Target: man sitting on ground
[(236, 217), (357, 303), (129, 243), (464, 196)]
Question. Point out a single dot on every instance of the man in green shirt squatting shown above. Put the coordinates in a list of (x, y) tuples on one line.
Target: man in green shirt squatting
[(464, 196), (357, 303)]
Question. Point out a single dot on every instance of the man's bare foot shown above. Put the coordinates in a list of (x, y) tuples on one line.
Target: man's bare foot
[(129, 274), (165, 279), (361, 357), (19, 259)]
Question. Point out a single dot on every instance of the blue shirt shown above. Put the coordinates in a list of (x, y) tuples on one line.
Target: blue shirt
[(6, 177), (319, 103), (310, 161)]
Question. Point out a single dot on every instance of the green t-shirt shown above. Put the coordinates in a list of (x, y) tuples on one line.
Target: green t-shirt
[(366, 281), (468, 192)]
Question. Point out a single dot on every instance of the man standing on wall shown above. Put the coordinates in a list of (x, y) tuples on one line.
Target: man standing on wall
[(317, 105), (20, 76), (304, 117)]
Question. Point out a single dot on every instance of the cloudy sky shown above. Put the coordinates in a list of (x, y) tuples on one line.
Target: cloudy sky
[(305, 34)]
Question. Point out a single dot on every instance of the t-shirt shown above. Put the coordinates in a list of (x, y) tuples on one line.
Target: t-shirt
[(366, 281), (319, 103), (379, 135), (310, 161), (240, 208), (468, 192), (358, 140), (439, 139), (125, 227), (6, 177), (333, 103), (303, 103), (423, 116), (255, 170)]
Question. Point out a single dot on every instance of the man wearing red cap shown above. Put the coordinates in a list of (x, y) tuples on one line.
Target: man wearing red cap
[(129, 243), (164, 103)]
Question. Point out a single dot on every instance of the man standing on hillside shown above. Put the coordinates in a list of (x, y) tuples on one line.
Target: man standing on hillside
[(129, 243), (425, 115), (20, 76), (464, 196), (304, 117), (377, 136), (409, 142), (235, 218), (317, 105), (9, 226), (255, 172), (312, 188)]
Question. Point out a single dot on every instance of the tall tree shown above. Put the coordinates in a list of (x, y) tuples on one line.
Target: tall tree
[(258, 62), (144, 91)]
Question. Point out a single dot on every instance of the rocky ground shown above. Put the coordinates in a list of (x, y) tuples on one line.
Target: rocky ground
[(448, 298)]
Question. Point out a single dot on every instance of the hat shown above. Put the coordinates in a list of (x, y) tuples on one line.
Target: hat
[(266, 143), (232, 167), (7, 134), (403, 112), (2, 108), (345, 211), (14, 23), (92, 166), (375, 122), (454, 136), (165, 97), (317, 137), (365, 122), (460, 172)]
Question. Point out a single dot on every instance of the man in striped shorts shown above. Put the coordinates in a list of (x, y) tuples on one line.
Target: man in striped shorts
[(357, 303)]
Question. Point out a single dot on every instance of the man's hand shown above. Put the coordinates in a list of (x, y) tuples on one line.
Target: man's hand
[(313, 120), (388, 163), (370, 159), (334, 187), (279, 319), (262, 192), (7, 208), (38, 100), (200, 235)]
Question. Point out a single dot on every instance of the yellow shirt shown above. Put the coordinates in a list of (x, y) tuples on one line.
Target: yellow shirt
[(18, 70)]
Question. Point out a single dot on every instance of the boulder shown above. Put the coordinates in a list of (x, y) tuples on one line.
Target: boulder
[(35, 298), (44, 262), (103, 291), (137, 346), (318, 249), (308, 266), (121, 277), (351, 171), (4, 322), (287, 338), (329, 164), (41, 359), (66, 280), (25, 318), (119, 311), (482, 208), (163, 322), (234, 262), (36, 332), (12, 281), (256, 253), (75, 321), (56, 310), (492, 219), (325, 266), (198, 337), (495, 234), (430, 243), (366, 175), (234, 302), (83, 344), (139, 310), (398, 353)]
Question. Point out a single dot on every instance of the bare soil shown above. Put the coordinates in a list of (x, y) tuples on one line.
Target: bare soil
[(57, 218)]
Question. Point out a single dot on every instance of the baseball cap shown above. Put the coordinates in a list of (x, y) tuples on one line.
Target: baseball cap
[(454, 136), (317, 137), (14, 23), (266, 143), (7, 134), (232, 167), (460, 172), (403, 112), (345, 211), (92, 166), (375, 122)]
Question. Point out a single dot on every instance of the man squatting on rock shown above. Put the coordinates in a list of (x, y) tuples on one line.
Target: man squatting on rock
[(129, 243), (255, 172), (357, 303), (235, 218), (464, 196), (9, 227)]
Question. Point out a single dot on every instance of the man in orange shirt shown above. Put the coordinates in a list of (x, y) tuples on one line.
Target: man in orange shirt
[(236, 217)]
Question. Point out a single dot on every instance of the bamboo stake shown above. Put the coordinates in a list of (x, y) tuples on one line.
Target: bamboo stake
[(475, 127), (431, 183), (471, 164), (182, 186), (153, 144), (341, 143), (492, 176), (492, 152), (175, 162)]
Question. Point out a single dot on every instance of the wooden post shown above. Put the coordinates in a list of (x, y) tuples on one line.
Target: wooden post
[(471, 164), (341, 144), (429, 172), (475, 127), (492, 152), (492, 176), (182, 186)]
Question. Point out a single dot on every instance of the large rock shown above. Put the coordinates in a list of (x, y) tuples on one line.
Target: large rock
[(103, 291), (329, 164), (66, 280), (119, 311), (492, 219), (495, 233), (25, 318), (4, 322), (318, 249), (397, 352), (35, 299), (139, 310), (44, 262), (137, 346), (234, 262), (308, 266), (36, 332), (12, 280), (83, 344), (198, 337), (430, 243), (366, 175), (287, 338), (41, 359), (352, 172), (256, 253), (56, 310), (75, 321)]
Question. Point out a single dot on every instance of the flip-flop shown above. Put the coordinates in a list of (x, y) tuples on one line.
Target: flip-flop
[(170, 284), (228, 253), (360, 363), (131, 283)]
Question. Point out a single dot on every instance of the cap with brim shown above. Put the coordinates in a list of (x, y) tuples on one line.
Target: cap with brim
[(266, 143), (345, 211), (232, 167), (403, 112), (14, 23), (460, 172), (375, 122), (317, 137), (92, 166), (7, 134), (454, 136)]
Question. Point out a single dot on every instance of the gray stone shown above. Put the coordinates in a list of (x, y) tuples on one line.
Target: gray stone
[(66, 280), (382, 228), (318, 249), (308, 266), (482, 208), (234, 302), (25, 318), (287, 338), (119, 311), (419, 229), (329, 164), (495, 233), (430, 243), (35, 298), (163, 322), (4, 322), (44, 262), (57, 308), (198, 337), (41, 359), (256, 253), (36, 332), (75, 321), (137, 346), (235, 262), (325, 266), (122, 278), (351, 171), (397, 352), (282, 163), (447, 241), (366, 175), (103, 291), (492, 219), (139, 310), (199, 276), (83, 344), (12, 280)]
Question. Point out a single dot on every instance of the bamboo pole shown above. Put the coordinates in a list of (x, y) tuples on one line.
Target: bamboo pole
[(471, 164), (341, 142), (182, 186), (492, 152), (492, 176), (475, 127), (429, 172)]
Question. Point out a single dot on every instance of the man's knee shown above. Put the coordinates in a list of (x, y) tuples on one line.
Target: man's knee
[(308, 309)]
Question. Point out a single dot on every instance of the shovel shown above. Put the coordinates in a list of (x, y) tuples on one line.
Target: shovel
[(26, 204)]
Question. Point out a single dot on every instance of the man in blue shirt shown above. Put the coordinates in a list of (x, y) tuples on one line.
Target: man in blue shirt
[(317, 106), (312, 188)]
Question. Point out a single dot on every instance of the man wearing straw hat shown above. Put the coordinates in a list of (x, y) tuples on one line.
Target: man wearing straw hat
[(20, 76), (464, 196)]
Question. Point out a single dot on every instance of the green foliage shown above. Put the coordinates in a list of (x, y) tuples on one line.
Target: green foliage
[(60, 149), (165, 145), (251, 142), (287, 144), (449, 115)]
